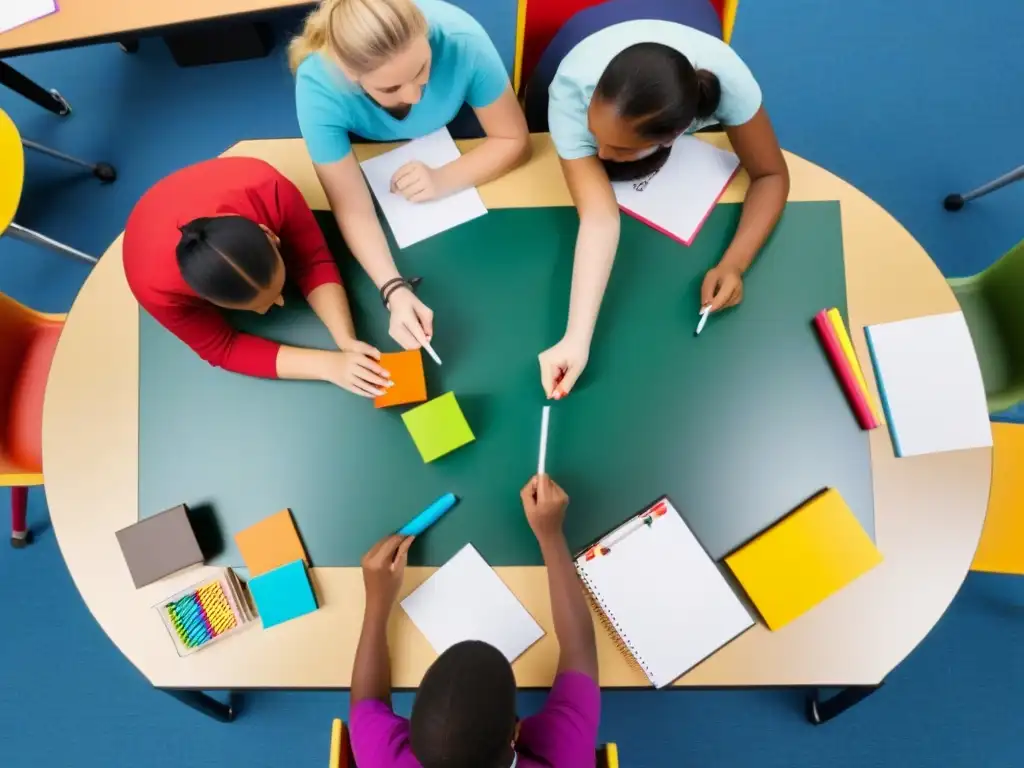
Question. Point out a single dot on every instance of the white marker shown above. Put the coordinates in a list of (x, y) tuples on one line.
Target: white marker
[(704, 312), (431, 352), (545, 415)]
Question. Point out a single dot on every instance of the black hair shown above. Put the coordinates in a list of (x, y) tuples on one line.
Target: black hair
[(226, 259), (659, 91), (464, 715)]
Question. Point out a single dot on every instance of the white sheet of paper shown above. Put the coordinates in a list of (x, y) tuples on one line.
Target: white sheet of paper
[(14, 13), (412, 222), (669, 600), (678, 198), (931, 384), (466, 600)]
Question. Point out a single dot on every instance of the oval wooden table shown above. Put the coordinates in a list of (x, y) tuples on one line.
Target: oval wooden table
[(929, 510)]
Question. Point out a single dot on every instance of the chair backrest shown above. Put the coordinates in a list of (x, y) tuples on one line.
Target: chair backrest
[(1002, 286), (699, 14), (27, 343), (12, 170)]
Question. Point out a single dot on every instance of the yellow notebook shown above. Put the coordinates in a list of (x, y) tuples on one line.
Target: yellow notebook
[(803, 559)]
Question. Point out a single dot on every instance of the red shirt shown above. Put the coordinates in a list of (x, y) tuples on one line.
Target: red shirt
[(240, 186)]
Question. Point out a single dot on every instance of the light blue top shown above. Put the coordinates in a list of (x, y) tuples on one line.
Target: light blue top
[(465, 68), (574, 83)]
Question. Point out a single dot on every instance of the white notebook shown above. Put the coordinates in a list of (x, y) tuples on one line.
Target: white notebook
[(465, 600), (413, 222), (14, 13), (677, 199), (661, 594), (930, 382)]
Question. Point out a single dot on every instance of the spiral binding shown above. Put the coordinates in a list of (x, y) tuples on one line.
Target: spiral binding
[(612, 626)]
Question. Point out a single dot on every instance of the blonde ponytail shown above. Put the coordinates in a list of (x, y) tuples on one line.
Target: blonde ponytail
[(360, 34)]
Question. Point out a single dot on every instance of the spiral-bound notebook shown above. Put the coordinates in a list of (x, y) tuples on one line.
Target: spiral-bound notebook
[(661, 594)]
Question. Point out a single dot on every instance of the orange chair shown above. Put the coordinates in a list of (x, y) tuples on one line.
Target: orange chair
[(27, 342)]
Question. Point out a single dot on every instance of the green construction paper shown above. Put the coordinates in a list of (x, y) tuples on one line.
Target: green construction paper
[(438, 427)]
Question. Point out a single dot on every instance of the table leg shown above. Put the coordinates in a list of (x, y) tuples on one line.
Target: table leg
[(32, 91), (821, 710), (209, 706)]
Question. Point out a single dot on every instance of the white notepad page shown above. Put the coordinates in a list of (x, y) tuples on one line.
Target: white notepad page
[(413, 222), (677, 199), (930, 383), (667, 598), (465, 600), (14, 13)]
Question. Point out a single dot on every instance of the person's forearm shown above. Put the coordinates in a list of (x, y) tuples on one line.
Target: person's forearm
[(596, 243), (762, 207), (330, 303), (371, 672), (573, 625), (365, 238), (490, 159), (301, 363)]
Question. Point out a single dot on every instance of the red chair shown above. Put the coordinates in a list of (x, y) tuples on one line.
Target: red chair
[(27, 343)]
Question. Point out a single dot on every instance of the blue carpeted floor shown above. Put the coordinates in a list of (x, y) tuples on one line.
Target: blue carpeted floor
[(906, 114)]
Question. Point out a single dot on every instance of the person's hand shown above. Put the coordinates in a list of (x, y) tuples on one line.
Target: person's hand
[(561, 366), (722, 288), (383, 570), (416, 182), (412, 322), (356, 369), (545, 503)]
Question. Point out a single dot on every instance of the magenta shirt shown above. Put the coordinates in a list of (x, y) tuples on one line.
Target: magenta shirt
[(563, 733)]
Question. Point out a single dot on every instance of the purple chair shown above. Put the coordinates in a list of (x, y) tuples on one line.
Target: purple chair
[(698, 14)]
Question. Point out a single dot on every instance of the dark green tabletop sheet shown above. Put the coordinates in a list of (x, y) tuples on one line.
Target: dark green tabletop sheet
[(738, 426)]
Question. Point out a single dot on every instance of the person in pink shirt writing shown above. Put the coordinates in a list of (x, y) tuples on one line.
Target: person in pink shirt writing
[(464, 715)]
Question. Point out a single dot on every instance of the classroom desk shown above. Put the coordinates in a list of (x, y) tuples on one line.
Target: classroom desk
[(87, 22), (928, 511)]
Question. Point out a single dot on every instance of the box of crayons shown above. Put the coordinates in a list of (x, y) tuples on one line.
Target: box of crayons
[(206, 612)]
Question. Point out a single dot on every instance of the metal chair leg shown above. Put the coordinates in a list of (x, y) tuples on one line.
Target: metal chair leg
[(20, 535), (955, 202), (103, 171), (31, 236)]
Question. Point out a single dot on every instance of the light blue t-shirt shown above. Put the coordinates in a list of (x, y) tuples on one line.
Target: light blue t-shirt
[(465, 68), (574, 83)]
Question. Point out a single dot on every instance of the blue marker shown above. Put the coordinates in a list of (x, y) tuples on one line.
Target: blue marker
[(429, 516)]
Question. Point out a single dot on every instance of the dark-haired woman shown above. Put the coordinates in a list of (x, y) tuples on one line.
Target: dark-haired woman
[(617, 102), (224, 235)]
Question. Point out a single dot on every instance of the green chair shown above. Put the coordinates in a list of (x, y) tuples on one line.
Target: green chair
[(993, 303)]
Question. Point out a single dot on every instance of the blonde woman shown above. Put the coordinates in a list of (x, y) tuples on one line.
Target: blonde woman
[(390, 70)]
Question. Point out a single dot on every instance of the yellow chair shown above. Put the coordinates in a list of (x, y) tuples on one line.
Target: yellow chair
[(341, 750), (1001, 549), (27, 343), (12, 180)]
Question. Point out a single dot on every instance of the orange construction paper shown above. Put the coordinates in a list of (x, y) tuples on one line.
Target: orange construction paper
[(271, 543), (406, 369)]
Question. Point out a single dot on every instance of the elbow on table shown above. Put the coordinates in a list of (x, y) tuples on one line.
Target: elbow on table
[(523, 151)]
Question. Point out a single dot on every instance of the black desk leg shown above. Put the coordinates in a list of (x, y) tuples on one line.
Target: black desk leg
[(822, 710), (206, 704), (34, 92)]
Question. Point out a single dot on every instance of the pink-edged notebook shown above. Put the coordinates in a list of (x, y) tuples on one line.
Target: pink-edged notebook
[(677, 199)]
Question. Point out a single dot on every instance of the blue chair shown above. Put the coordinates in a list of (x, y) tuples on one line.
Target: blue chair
[(699, 14)]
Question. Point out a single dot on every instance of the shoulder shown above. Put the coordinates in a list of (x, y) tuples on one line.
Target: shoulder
[(379, 736), (318, 81), (564, 732)]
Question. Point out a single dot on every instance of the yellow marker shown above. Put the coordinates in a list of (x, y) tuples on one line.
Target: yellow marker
[(611, 756), (844, 341), (335, 744)]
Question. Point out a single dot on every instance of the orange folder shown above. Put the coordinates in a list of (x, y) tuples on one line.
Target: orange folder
[(803, 559), (406, 369), (271, 543)]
